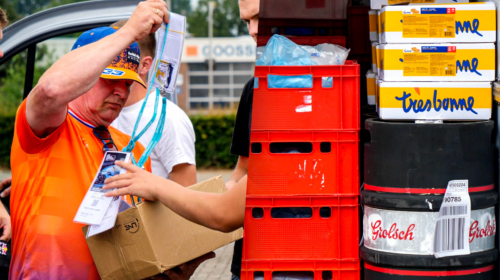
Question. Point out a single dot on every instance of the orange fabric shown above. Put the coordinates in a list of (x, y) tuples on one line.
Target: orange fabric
[(50, 177)]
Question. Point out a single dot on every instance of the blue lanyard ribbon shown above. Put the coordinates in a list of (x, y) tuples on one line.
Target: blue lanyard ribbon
[(161, 121)]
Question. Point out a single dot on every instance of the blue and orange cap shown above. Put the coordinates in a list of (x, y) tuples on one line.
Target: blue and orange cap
[(125, 66)]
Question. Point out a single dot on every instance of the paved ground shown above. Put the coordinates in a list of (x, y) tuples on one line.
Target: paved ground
[(217, 268), (214, 269)]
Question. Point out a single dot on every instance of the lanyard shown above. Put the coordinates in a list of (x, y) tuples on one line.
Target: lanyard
[(161, 121), (158, 132)]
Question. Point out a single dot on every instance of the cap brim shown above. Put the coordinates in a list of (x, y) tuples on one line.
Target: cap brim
[(115, 73)]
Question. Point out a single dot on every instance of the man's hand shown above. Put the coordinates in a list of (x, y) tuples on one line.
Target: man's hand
[(5, 225), (147, 18), (183, 271), (5, 185)]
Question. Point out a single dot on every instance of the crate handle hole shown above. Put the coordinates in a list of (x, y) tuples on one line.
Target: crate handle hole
[(327, 82), (325, 212), (327, 275), (256, 148), (303, 275), (258, 275), (325, 147), (291, 147), (257, 213), (291, 212)]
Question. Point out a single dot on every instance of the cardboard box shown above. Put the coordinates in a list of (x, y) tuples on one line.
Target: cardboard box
[(437, 62), (150, 239), (370, 87), (434, 100), (377, 52), (497, 4), (447, 23), (374, 58), (379, 4), (373, 24), (496, 93)]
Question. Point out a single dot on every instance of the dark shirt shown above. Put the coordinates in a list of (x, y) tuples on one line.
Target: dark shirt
[(240, 146)]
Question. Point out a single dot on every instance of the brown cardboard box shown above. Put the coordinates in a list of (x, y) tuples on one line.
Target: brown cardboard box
[(150, 239)]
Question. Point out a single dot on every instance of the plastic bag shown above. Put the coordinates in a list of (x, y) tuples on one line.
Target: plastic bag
[(280, 51)]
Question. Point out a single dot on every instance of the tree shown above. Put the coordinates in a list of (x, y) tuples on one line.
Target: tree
[(12, 81), (10, 9), (182, 7), (227, 21)]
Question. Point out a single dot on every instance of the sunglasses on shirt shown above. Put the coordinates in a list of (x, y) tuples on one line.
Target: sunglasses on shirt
[(103, 134)]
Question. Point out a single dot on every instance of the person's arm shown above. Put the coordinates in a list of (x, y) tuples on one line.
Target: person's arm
[(240, 170), (184, 174), (223, 212), (66, 79)]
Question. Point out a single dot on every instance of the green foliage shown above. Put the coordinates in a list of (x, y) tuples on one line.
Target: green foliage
[(6, 136), (10, 9), (227, 20), (12, 75), (213, 140)]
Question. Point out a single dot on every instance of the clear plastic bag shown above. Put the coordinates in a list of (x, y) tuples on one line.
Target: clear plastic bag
[(280, 51)]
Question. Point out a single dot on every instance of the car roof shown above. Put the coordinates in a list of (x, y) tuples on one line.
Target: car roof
[(62, 20)]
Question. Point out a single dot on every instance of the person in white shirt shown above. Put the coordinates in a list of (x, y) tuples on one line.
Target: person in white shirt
[(174, 155)]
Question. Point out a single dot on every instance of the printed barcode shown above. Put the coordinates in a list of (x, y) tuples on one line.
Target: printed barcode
[(448, 34), (94, 203), (449, 235), (453, 210), (448, 72)]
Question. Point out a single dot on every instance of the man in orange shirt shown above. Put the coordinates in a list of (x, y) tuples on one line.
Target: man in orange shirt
[(61, 132)]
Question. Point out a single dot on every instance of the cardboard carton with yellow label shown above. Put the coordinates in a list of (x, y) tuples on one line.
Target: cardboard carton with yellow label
[(446, 23), (373, 24), (379, 4), (150, 239), (437, 62), (374, 58), (370, 87), (434, 100)]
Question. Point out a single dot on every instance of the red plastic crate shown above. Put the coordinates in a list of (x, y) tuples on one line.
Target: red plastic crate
[(314, 238), (358, 34), (340, 269), (307, 41), (335, 108), (302, 27), (319, 172)]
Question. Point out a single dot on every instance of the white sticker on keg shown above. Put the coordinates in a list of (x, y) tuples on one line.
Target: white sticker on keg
[(451, 236)]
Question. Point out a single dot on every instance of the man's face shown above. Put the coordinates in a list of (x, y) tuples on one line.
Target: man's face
[(249, 13), (106, 99)]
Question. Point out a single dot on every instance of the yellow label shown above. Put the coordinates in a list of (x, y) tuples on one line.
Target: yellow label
[(474, 21), (372, 20), (374, 54), (370, 86), (423, 1), (394, 2), (429, 64), (428, 26)]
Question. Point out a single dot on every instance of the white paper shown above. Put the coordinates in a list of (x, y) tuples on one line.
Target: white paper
[(109, 220), (451, 236), (168, 63), (95, 204)]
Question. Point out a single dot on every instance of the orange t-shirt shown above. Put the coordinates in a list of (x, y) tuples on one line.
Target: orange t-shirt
[(50, 177)]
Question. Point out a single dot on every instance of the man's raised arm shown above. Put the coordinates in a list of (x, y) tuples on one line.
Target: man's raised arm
[(79, 70)]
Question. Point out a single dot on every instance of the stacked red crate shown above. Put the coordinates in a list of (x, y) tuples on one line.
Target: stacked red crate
[(304, 149)]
